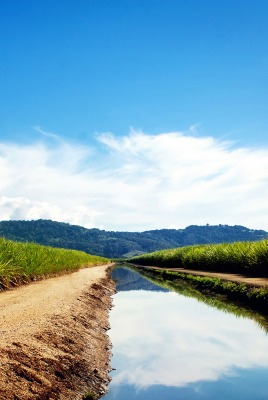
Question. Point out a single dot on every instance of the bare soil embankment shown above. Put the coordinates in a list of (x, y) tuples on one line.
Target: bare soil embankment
[(53, 339)]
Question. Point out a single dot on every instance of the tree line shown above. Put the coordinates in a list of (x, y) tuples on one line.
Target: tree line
[(122, 244)]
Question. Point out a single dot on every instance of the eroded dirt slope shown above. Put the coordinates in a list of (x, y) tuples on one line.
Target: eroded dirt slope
[(53, 339)]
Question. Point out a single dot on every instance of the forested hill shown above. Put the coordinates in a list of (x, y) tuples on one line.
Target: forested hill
[(119, 244)]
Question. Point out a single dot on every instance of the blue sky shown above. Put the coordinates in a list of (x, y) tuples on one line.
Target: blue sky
[(116, 87)]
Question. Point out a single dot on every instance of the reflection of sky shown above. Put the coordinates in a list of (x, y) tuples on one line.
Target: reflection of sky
[(167, 339)]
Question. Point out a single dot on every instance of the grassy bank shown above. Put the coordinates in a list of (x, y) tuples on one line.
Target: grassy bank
[(23, 262), (216, 285), (247, 258), (237, 299)]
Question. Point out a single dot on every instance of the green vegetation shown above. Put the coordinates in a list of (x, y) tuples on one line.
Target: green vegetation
[(247, 258), (24, 262), (89, 396), (122, 244), (218, 285), (238, 299)]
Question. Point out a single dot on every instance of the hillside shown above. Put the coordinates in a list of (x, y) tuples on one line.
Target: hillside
[(118, 244)]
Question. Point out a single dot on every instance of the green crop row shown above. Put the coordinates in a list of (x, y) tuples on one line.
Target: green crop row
[(248, 258), (23, 262)]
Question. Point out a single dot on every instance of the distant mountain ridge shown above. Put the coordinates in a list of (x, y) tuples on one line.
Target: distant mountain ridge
[(119, 244)]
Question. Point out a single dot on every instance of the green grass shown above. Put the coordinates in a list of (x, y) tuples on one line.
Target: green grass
[(248, 258), (239, 299), (24, 262)]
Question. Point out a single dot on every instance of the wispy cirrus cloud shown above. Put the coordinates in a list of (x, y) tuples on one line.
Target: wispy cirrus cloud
[(135, 182)]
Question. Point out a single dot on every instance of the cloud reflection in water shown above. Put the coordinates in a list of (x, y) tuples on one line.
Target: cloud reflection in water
[(167, 339)]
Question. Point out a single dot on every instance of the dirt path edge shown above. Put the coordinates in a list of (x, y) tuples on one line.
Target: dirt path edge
[(250, 281), (68, 358)]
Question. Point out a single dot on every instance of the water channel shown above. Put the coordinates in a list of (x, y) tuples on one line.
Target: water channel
[(171, 346)]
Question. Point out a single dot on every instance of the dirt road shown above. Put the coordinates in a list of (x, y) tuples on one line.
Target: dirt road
[(53, 340), (251, 281)]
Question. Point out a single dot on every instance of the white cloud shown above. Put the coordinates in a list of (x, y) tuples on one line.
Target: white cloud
[(135, 182)]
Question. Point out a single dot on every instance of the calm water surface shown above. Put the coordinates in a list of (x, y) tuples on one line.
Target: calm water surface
[(167, 346)]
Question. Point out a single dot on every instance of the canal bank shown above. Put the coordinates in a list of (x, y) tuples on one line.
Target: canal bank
[(172, 345), (251, 292), (54, 343)]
